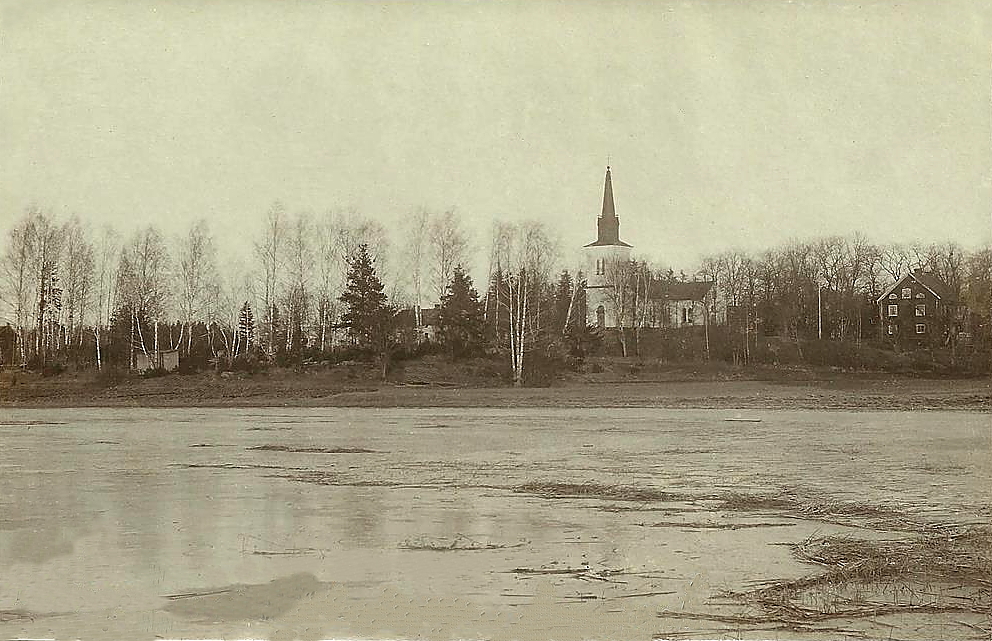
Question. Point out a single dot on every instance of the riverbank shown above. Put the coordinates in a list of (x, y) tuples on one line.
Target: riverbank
[(356, 386)]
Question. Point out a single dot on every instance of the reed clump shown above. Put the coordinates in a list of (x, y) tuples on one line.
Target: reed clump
[(940, 571), (555, 490)]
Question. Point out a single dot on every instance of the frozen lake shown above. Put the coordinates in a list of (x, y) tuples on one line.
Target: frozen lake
[(326, 523)]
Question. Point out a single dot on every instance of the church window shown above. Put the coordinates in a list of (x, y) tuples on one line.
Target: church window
[(601, 316)]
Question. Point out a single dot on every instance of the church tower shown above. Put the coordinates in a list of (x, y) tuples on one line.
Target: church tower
[(598, 254)]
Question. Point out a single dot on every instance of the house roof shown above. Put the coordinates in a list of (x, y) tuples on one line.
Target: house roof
[(430, 316), (934, 284), (676, 290), (926, 279), (406, 317)]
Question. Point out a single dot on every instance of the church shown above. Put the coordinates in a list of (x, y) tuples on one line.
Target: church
[(670, 303)]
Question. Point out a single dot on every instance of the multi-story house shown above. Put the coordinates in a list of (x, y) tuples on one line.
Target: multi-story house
[(919, 310)]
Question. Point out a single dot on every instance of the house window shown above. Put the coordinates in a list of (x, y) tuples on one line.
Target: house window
[(921, 295), (892, 330), (907, 292), (921, 328), (893, 310), (921, 310), (893, 296)]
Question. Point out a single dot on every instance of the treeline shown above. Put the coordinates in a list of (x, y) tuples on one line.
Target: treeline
[(309, 288), (829, 286), (313, 288)]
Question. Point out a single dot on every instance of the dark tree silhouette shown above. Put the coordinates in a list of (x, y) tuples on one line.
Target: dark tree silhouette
[(461, 317), (369, 318)]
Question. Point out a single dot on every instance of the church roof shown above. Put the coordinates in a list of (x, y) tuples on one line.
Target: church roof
[(677, 290), (613, 243), (608, 225)]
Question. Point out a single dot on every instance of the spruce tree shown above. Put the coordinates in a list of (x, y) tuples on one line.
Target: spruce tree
[(461, 317), (367, 316), (246, 327), (564, 292)]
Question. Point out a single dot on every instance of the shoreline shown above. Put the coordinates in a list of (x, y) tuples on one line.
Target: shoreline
[(838, 393)]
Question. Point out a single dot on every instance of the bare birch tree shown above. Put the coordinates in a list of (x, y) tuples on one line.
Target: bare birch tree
[(330, 270), (448, 248), (269, 252), (46, 251), (300, 258), (142, 284), (522, 253), (197, 270), (79, 262), (106, 258), (619, 275), (19, 282), (415, 253)]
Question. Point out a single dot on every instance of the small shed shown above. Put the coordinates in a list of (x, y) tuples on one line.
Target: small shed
[(167, 360)]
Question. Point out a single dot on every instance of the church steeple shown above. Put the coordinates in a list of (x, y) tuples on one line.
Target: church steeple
[(608, 225), (609, 210)]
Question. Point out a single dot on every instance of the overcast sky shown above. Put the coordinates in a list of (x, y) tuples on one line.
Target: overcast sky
[(728, 124)]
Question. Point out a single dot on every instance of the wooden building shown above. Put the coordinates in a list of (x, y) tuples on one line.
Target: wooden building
[(918, 310)]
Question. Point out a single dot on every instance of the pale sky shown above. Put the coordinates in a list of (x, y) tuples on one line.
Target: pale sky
[(728, 124)]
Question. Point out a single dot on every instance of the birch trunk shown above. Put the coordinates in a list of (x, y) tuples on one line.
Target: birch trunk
[(96, 338)]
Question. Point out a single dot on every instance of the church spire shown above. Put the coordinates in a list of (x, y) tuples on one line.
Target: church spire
[(608, 225), (609, 210)]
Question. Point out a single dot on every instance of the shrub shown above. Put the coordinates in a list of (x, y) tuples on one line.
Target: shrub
[(52, 369), (542, 365), (111, 375), (251, 363)]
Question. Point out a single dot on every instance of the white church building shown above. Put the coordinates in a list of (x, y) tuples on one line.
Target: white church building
[(671, 303)]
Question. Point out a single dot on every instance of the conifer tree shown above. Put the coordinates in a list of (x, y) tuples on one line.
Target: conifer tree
[(461, 317), (367, 315), (246, 328)]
